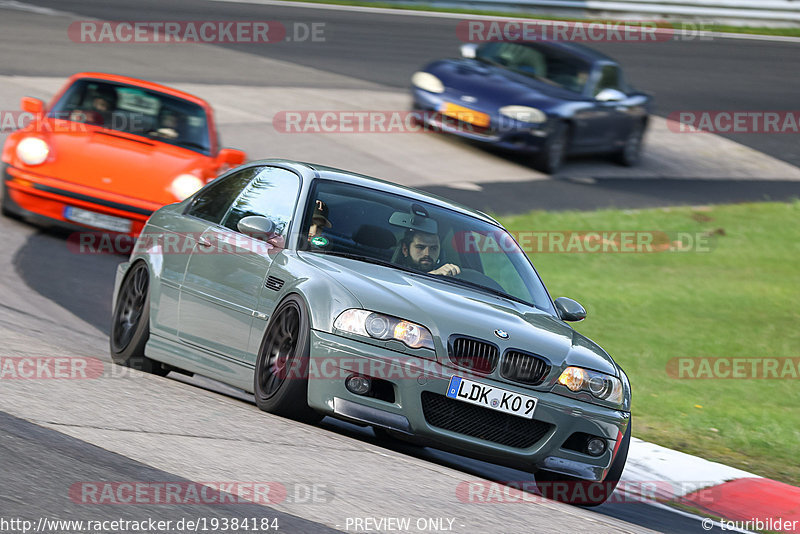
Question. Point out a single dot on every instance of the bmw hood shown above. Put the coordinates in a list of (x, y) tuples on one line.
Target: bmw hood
[(494, 86), (447, 308)]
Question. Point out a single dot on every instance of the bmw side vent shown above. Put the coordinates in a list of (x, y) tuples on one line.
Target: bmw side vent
[(274, 283), (524, 367), (472, 354)]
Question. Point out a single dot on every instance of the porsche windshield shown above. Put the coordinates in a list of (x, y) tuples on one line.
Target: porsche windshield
[(136, 111), (378, 227)]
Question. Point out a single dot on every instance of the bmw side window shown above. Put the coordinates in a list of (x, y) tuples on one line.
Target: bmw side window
[(213, 202), (272, 194)]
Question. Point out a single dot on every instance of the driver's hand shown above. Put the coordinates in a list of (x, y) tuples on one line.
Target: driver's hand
[(448, 269)]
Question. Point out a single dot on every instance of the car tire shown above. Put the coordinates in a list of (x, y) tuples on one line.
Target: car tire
[(631, 153), (580, 492), (554, 150), (280, 384), (130, 323)]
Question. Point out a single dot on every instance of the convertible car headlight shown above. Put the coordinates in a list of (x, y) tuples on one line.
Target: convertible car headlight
[(379, 326), (601, 386), (427, 82), (32, 151), (524, 114), (185, 185)]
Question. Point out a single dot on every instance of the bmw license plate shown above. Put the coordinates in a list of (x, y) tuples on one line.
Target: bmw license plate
[(491, 397), (98, 220)]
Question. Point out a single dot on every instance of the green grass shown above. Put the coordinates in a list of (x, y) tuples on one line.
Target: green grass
[(751, 30), (741, 299)]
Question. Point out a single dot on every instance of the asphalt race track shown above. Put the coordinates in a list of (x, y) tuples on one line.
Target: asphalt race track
[(58, 301)]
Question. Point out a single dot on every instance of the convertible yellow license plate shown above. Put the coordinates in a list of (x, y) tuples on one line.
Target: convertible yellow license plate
[(463, 114)]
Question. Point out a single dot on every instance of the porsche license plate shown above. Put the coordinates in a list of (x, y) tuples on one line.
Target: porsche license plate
[(491, 397), (97, 220), (463, 114)]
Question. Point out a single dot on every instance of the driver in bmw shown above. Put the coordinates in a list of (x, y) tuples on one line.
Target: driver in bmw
[(420, 250)]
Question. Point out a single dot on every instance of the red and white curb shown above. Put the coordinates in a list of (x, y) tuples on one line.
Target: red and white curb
[(658, 475)]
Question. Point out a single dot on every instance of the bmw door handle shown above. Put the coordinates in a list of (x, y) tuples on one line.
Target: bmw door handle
[(203, 242)]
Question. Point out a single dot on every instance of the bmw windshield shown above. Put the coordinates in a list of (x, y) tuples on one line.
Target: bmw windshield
[(403, 233)]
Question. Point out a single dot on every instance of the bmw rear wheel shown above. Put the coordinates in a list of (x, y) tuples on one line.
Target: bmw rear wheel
[(130, 323), (281, 376), (583, 492)]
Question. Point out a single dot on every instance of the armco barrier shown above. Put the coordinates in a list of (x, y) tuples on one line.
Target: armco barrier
[(741, 12)]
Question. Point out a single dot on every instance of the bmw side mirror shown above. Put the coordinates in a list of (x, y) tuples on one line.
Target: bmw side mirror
[(257, 226), (469, 50), (569, 310), (610, 95)]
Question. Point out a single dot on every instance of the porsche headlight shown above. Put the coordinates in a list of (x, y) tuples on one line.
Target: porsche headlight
[(524, 114), (384, 327), (601, 386), (427, 82), (33, 151), (185, 185)]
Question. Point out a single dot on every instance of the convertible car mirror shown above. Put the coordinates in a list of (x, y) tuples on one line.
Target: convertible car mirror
[(610, 95), (257, 226), (569, 310), (469, 50), (32, 105)]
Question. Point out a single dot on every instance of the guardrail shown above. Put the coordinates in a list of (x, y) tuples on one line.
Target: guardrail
[(749, 12)]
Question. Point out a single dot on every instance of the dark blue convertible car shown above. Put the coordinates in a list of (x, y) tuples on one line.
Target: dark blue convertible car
[(548, 99)]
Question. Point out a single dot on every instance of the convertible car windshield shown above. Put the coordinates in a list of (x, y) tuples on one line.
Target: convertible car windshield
[(403, 233), (136, 111), (538, 61)]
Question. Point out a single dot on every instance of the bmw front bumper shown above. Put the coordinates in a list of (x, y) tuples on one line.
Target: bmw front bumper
[(418, 406)]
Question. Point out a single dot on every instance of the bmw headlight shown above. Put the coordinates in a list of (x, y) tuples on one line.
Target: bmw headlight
[(427, 82), (32, 151), (384, 327), (185, 185), (601, 386), (524, 114)]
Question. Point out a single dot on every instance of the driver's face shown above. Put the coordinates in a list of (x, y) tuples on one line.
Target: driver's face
[(424, 251)]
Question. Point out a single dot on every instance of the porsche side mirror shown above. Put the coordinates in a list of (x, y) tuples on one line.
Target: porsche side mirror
[(610, 95), (569, 310), (257, 226), (231, 157), (469, 50), (32, 105)]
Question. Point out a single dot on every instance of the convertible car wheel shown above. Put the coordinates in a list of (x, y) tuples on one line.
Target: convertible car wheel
[(130, 324), (281, 377), (581, 492), (631, 152), (554, 150)]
